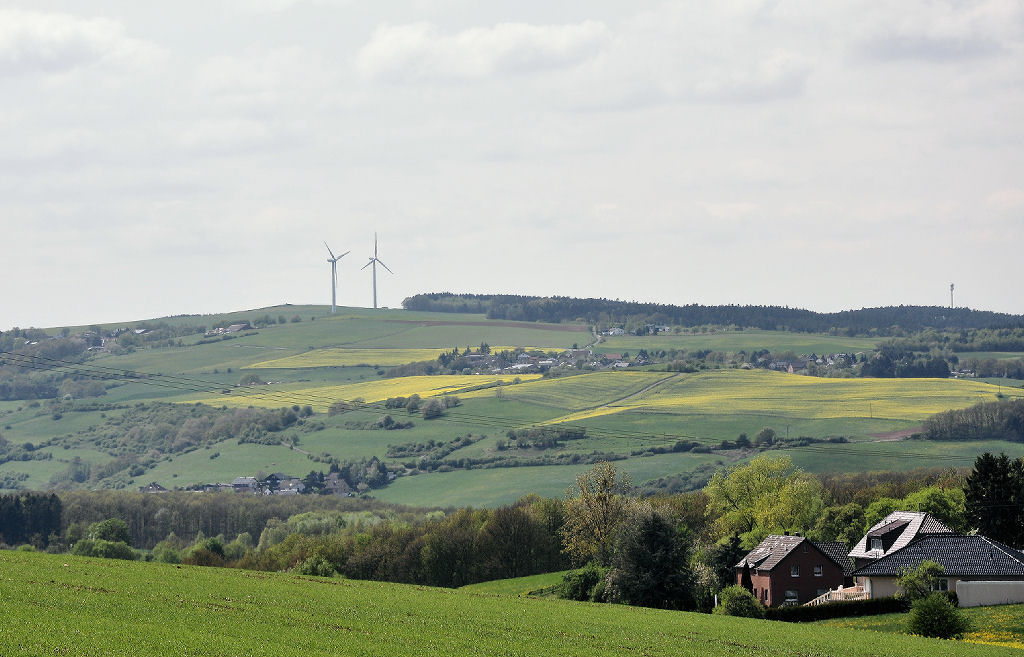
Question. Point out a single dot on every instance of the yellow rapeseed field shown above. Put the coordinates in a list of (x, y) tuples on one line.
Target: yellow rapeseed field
[(755, 392), (340, 356), (321, 397)]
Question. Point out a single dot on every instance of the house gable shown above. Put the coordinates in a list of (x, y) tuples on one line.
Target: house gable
[(893, 532)]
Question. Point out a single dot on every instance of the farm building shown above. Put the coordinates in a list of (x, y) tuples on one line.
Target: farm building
[(789, 570)]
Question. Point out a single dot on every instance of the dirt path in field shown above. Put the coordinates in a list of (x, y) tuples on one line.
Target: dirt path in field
[(638, 393), (894, 436)]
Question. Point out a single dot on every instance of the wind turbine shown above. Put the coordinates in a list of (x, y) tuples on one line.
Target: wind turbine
[(334, 275), (375, 261)]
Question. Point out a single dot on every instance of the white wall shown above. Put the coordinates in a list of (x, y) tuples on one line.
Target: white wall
[(979, 594)]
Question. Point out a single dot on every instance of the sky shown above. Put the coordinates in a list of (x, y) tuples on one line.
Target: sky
[(193, 157)]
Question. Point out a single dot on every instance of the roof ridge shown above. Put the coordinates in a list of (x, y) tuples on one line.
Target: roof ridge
[(1005, 549)]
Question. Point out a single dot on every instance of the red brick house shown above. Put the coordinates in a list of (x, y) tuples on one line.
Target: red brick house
[(794, 569)]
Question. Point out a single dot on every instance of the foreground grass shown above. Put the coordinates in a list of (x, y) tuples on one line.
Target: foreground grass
[(58, 604), (1001, 625)]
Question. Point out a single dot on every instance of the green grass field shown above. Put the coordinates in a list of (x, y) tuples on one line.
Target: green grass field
[(517, 586), (64, 605), (1002, 625)]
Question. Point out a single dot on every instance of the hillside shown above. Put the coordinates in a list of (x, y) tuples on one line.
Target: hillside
[(60, 604), (191, 400)]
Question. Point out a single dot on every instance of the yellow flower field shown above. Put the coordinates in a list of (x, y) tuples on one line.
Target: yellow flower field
[(320, 398), (340, 356), (756, 392)]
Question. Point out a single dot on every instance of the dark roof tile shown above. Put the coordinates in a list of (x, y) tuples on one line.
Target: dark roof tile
[(961, 556)]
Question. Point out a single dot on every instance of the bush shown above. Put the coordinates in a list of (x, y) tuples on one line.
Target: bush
[(433, 409), (737, 601), (581, 584), (843, 609), (104, 549), (935, 616), (317, 565)]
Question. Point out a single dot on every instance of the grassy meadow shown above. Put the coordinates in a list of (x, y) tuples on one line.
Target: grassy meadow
[(1001, 625), (66, 605)]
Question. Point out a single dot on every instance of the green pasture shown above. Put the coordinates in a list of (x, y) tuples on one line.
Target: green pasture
[(733, 341), (899, 455), (489, 487), (66, 605), (196, 467), (1000, 625), (517, 586), (658, 427), (983, 355), (39, 472)]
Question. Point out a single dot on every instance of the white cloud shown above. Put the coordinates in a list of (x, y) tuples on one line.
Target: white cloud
[(942, 31), (419, 50), (33, 42)]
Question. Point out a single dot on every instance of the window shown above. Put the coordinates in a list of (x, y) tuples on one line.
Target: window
[(941, 585), (818, 571), (876, 544), (792, 597), (794, 571)]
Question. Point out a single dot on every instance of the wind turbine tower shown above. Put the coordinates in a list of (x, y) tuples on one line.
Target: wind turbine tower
[(950, 295), (334, 276), (375, 261)]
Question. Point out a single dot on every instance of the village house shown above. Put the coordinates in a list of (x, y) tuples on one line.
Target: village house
[(791, 570), (979, 569)]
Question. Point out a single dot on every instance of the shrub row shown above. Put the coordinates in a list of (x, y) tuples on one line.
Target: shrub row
[(803, 614)]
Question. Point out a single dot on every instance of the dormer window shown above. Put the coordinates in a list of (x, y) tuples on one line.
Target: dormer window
[(876, 544)]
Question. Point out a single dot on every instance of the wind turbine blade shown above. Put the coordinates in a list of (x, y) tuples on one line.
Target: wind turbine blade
[(329, 251), (367, 264), (385, 266), (375, 245), (343, 255)]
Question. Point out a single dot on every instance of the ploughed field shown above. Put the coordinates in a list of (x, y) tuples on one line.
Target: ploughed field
[(66, 605)]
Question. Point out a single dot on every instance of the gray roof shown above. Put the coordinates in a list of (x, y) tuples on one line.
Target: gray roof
[(837, 551), (770, 552), (961, 556), (917, 523), (775, 548)]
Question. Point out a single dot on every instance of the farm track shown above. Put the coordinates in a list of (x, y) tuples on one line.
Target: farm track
[(638, 393)]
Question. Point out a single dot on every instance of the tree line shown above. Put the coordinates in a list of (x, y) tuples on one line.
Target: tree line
[(866, 321), (998, 420)]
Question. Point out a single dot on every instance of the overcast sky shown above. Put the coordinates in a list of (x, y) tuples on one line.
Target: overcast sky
[(193, 158)]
